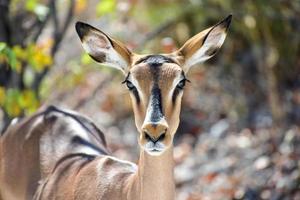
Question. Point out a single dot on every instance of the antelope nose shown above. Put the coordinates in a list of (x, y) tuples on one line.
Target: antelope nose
[(155, 131)]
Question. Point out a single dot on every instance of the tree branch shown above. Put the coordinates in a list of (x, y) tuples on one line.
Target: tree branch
[(41, 25), (100, 86), (190, 10), (58, 36), (5, 30)]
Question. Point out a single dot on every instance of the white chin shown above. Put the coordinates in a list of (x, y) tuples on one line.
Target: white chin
[(154, 149), (154, 152)]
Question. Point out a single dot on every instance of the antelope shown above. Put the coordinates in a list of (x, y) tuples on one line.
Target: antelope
[(62, 155)]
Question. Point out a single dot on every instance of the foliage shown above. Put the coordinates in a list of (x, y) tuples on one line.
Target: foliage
[(25, 59), (260, 55), (14, 100), (258, 66), (106, 7), (231, 109)]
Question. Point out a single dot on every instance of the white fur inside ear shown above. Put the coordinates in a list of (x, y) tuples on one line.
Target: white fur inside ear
[(94, 43), (215, 38), (212, 43), (198, 57), (115, 60), (100, 48)]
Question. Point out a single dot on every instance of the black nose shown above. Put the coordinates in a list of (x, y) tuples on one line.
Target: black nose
[(155, 139)]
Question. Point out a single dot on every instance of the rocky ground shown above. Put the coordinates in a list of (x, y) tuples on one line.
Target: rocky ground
[(251, 165), (248, 165), (215, 158)]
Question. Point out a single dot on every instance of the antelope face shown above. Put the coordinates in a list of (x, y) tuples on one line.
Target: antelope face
[(155, 82)]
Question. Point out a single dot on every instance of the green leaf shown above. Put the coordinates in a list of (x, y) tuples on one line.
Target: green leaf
[(19, 52), (86, 59), (2, 96), (28, 77), (2, 46), (30, 5), (41, 11), (12, 59), (27, 98), (105, 7), (11, 104)]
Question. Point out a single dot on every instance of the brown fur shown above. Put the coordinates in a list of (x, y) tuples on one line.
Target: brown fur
[(63, 156)]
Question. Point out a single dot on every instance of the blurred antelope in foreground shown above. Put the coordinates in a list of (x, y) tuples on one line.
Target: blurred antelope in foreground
[(59, 154)]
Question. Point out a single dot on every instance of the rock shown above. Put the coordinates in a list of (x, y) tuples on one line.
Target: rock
[(251, 194), (239, 193), (181, 152), (265, 194), (219, 128), (262, 163), (243, 141), (183, 174), (285, 183)]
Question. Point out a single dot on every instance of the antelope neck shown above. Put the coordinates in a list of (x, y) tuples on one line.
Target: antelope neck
[(155, 176)]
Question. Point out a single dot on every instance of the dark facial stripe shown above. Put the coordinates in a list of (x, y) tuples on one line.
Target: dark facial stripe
[(156, 104), (134, 91), (177, 90), (175, 94), (155, 63), (136, 95), (155, 60)]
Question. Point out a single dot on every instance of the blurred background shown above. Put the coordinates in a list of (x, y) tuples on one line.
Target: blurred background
[(239, 135)]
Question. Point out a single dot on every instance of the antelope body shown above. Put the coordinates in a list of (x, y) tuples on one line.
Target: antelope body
[(61, 155)]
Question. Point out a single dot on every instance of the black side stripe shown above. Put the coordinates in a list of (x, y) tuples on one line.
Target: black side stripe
[(96, 133)]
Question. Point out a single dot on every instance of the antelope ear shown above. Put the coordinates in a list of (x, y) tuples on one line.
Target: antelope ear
[(204, 45), (102, 48)]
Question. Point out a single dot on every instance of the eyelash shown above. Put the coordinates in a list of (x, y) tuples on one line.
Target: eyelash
[(179, 86), (182, 83), (129, 85)]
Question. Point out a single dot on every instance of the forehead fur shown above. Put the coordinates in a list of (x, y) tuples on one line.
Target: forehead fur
[(155, 72)]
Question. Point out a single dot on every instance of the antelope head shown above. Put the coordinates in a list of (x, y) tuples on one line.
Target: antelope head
[(155, 82)]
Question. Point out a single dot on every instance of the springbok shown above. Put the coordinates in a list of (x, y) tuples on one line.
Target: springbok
[(58, 154)]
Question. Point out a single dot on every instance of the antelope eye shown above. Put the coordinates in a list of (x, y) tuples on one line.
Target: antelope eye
[(181, 84), (129, 85)]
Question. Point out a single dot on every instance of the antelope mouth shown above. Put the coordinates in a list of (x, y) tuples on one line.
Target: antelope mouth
[(154, 149), (155, 152)]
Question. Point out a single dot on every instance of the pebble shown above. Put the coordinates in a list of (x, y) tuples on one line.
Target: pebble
[(262, 163)]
